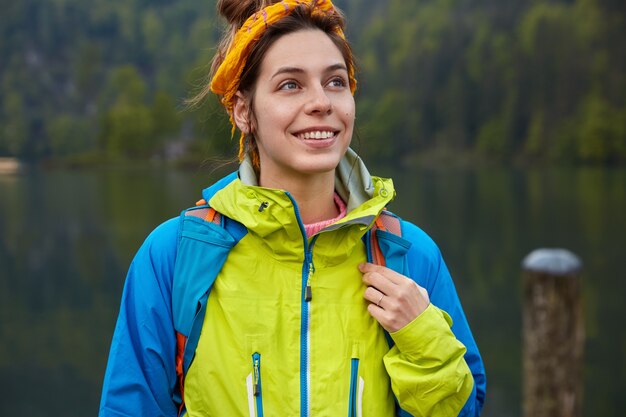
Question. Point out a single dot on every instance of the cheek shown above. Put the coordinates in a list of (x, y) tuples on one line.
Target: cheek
[(274, 112), (349, 118), (348, 109)]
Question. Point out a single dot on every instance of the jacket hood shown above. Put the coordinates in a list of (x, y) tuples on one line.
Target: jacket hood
[(273, 215), (353, 182)]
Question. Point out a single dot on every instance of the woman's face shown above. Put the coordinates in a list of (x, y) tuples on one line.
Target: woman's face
[(303, 108)]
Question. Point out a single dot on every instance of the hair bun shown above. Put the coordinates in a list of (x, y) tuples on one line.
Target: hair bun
[(236, 12)]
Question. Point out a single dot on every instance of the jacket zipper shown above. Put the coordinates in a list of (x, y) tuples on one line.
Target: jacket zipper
[(354, 375), (305, 327), (305, 312), (308, 293), (256, 383)]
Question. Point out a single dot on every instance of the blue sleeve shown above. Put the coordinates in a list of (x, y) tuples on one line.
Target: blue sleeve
[(140, 375), (427, 267)]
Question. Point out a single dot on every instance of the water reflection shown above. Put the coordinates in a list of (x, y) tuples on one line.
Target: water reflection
[(67, 238)]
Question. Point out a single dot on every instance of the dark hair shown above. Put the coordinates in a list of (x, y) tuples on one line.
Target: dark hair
[(236, 12)]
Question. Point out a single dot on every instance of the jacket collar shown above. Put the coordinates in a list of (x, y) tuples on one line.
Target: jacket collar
[(353, 182), (272, 214)]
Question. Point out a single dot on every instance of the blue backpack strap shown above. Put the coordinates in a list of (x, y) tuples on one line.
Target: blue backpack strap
[(385, 222), (205, 238), (384, 243), (385, 246), (381, 246)]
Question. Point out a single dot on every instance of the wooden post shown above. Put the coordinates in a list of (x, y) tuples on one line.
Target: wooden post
[(554, 334)]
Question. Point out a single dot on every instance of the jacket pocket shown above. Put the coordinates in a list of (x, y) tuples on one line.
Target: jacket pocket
[(355, 408), (255, 392)]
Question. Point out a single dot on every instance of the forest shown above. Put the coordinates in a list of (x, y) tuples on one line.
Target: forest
[(103, 80)]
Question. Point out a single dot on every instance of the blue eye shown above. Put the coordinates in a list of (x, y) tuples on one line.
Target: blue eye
[(289, 85), (337, 82)]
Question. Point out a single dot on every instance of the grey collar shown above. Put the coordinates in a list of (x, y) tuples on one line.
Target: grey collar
[(353, 181)]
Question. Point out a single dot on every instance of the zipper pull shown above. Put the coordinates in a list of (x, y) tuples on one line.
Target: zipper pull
[(256, 388), (308, 294)]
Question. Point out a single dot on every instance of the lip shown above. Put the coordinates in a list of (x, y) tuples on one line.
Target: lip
[(316, 129), (321, 143)]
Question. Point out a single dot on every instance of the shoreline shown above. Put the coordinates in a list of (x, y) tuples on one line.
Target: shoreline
[(9, 165)]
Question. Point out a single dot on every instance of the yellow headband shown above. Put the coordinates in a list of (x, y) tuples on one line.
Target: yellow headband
[(227, 77)]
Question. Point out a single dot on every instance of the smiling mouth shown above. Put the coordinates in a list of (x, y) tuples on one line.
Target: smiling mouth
[(316, 135)]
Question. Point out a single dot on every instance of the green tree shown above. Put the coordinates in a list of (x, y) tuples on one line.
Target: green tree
[(493, 137), (491, 74), (535, 145), (14, 134), (128, 125), (129, 130), (166, 120), (602, 131), (152, 30), (69, 135)]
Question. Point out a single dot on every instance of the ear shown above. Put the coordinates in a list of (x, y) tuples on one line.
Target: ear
[(241, 112)]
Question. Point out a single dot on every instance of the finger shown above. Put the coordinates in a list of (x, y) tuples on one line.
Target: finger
[(380, 282), (379, 314), (374, 296), (390, 274)]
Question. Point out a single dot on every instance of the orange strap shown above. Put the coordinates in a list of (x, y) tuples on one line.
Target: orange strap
[(377, 254), (211, 216), (387, 223), (181, 342)]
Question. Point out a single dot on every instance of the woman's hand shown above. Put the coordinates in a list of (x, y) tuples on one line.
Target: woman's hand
[(395, 300)]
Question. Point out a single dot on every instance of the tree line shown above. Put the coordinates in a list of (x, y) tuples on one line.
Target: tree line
[(106, 80)]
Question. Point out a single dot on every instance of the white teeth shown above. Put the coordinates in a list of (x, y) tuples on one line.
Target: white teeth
[(316, 135)]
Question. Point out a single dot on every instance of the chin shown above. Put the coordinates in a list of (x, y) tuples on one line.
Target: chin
[(319, 166)]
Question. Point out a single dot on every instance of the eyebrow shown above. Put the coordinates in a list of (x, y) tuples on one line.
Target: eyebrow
[(298, 70)]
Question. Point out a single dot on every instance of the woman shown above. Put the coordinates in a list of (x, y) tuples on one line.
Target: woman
[(274, 309)]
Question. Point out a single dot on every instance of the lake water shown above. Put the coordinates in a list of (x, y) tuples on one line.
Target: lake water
[(67, 238)]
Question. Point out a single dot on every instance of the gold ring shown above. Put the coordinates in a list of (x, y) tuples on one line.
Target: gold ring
[(380, 299)]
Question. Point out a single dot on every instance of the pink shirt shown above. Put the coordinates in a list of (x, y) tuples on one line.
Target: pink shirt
[(313, 228)]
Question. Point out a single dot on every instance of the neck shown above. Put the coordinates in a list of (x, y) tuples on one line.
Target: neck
[(314, 194)]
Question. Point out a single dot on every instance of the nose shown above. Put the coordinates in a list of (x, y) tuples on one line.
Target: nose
[(319, 102)]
